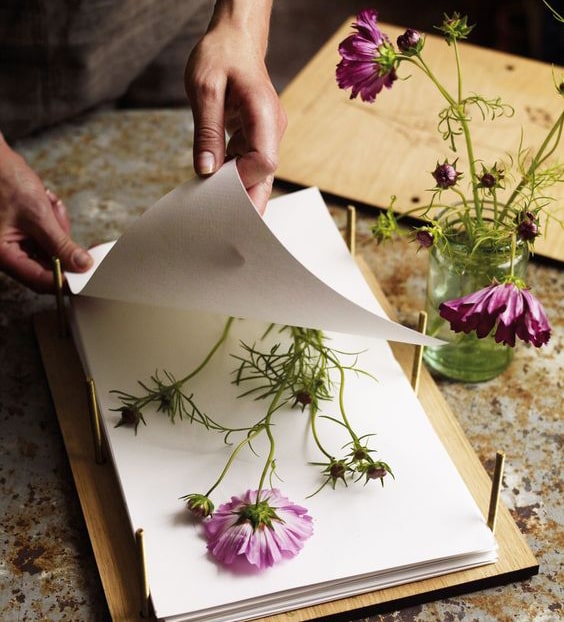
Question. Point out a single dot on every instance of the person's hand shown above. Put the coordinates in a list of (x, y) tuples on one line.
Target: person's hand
[(229, 89), (34, 226)]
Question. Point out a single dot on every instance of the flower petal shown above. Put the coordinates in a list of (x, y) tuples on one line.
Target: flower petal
[(512, 311), (359, 68), (232, 532)]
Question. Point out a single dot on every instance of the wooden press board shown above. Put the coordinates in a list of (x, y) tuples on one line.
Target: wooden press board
[(365, 153), (113, 542)]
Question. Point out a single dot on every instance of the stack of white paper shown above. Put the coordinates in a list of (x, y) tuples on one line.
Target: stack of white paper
[(159, 301)]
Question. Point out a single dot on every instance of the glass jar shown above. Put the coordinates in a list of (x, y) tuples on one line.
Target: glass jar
[(457, 272)]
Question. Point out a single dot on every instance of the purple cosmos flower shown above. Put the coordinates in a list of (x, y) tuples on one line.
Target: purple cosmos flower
[(512, 310), (446, 175), (262, 533), (368, 60)]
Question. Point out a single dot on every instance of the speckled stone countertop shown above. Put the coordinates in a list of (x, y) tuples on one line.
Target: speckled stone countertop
[(109, 167)]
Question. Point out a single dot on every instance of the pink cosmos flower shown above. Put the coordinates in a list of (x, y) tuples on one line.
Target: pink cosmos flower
[(368, 59), (263, 533), (511, 309)]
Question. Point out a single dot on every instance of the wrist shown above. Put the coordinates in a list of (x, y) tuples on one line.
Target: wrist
[(252, 19)]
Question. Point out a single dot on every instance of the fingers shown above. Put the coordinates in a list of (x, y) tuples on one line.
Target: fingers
[(34, 226), (26, 251), (260, 193), (49, 228), (59, 210), (207, 100), (257, 142), (27, 270)]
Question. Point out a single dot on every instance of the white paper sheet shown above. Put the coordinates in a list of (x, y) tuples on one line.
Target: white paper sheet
[(204, 246), (421, 524)]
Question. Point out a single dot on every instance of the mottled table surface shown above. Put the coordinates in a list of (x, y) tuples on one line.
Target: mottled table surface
[(109, 167)]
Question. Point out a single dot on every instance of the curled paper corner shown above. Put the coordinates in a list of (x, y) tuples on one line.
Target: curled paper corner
[(77, 280), (204, 246)]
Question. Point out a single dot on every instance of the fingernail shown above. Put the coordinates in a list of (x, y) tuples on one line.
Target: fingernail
[(81, 259), (205, 163)]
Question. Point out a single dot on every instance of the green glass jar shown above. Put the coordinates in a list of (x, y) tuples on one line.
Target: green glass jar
[(454, 273)]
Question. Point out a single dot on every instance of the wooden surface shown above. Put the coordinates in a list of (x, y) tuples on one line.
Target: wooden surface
[(113, 541), (366, 153)]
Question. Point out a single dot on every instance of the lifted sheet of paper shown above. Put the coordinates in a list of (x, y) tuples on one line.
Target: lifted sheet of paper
[(204, 247)]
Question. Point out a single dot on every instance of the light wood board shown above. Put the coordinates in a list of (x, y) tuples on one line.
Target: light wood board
[(113, 542), (365, 153)]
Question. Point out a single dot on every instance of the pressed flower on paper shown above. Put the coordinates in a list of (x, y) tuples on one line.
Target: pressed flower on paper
[(302, 372), (261, 529)]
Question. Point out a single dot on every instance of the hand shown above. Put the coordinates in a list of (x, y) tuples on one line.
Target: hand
[(34, 226), (229, 90)]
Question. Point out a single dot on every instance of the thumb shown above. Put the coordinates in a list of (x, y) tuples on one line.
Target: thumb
[(56, 242), (73, 257)]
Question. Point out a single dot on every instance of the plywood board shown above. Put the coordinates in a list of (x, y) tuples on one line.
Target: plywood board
[(365, 153)]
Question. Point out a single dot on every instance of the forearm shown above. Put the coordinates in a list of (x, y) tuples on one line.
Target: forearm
[(247, 16)]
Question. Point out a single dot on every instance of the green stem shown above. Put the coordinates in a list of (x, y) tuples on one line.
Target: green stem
[(342, 397), (467, 138), (458, 70), (232, 457), (513, 252), (458, 107), (422, 65), (269, 459), (210, 353), (313, 421), (495, 207), (555, 133)]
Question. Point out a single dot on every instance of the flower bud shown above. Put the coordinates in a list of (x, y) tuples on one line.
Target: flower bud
[(446, 175), (165, 403), (303, 397), (360, 453), (376, 471), (411, 42), (425, 238), (337, 470), (131, 416), (491, 178), (455, 27), (487, 180), (527, 230), (200, 505)]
